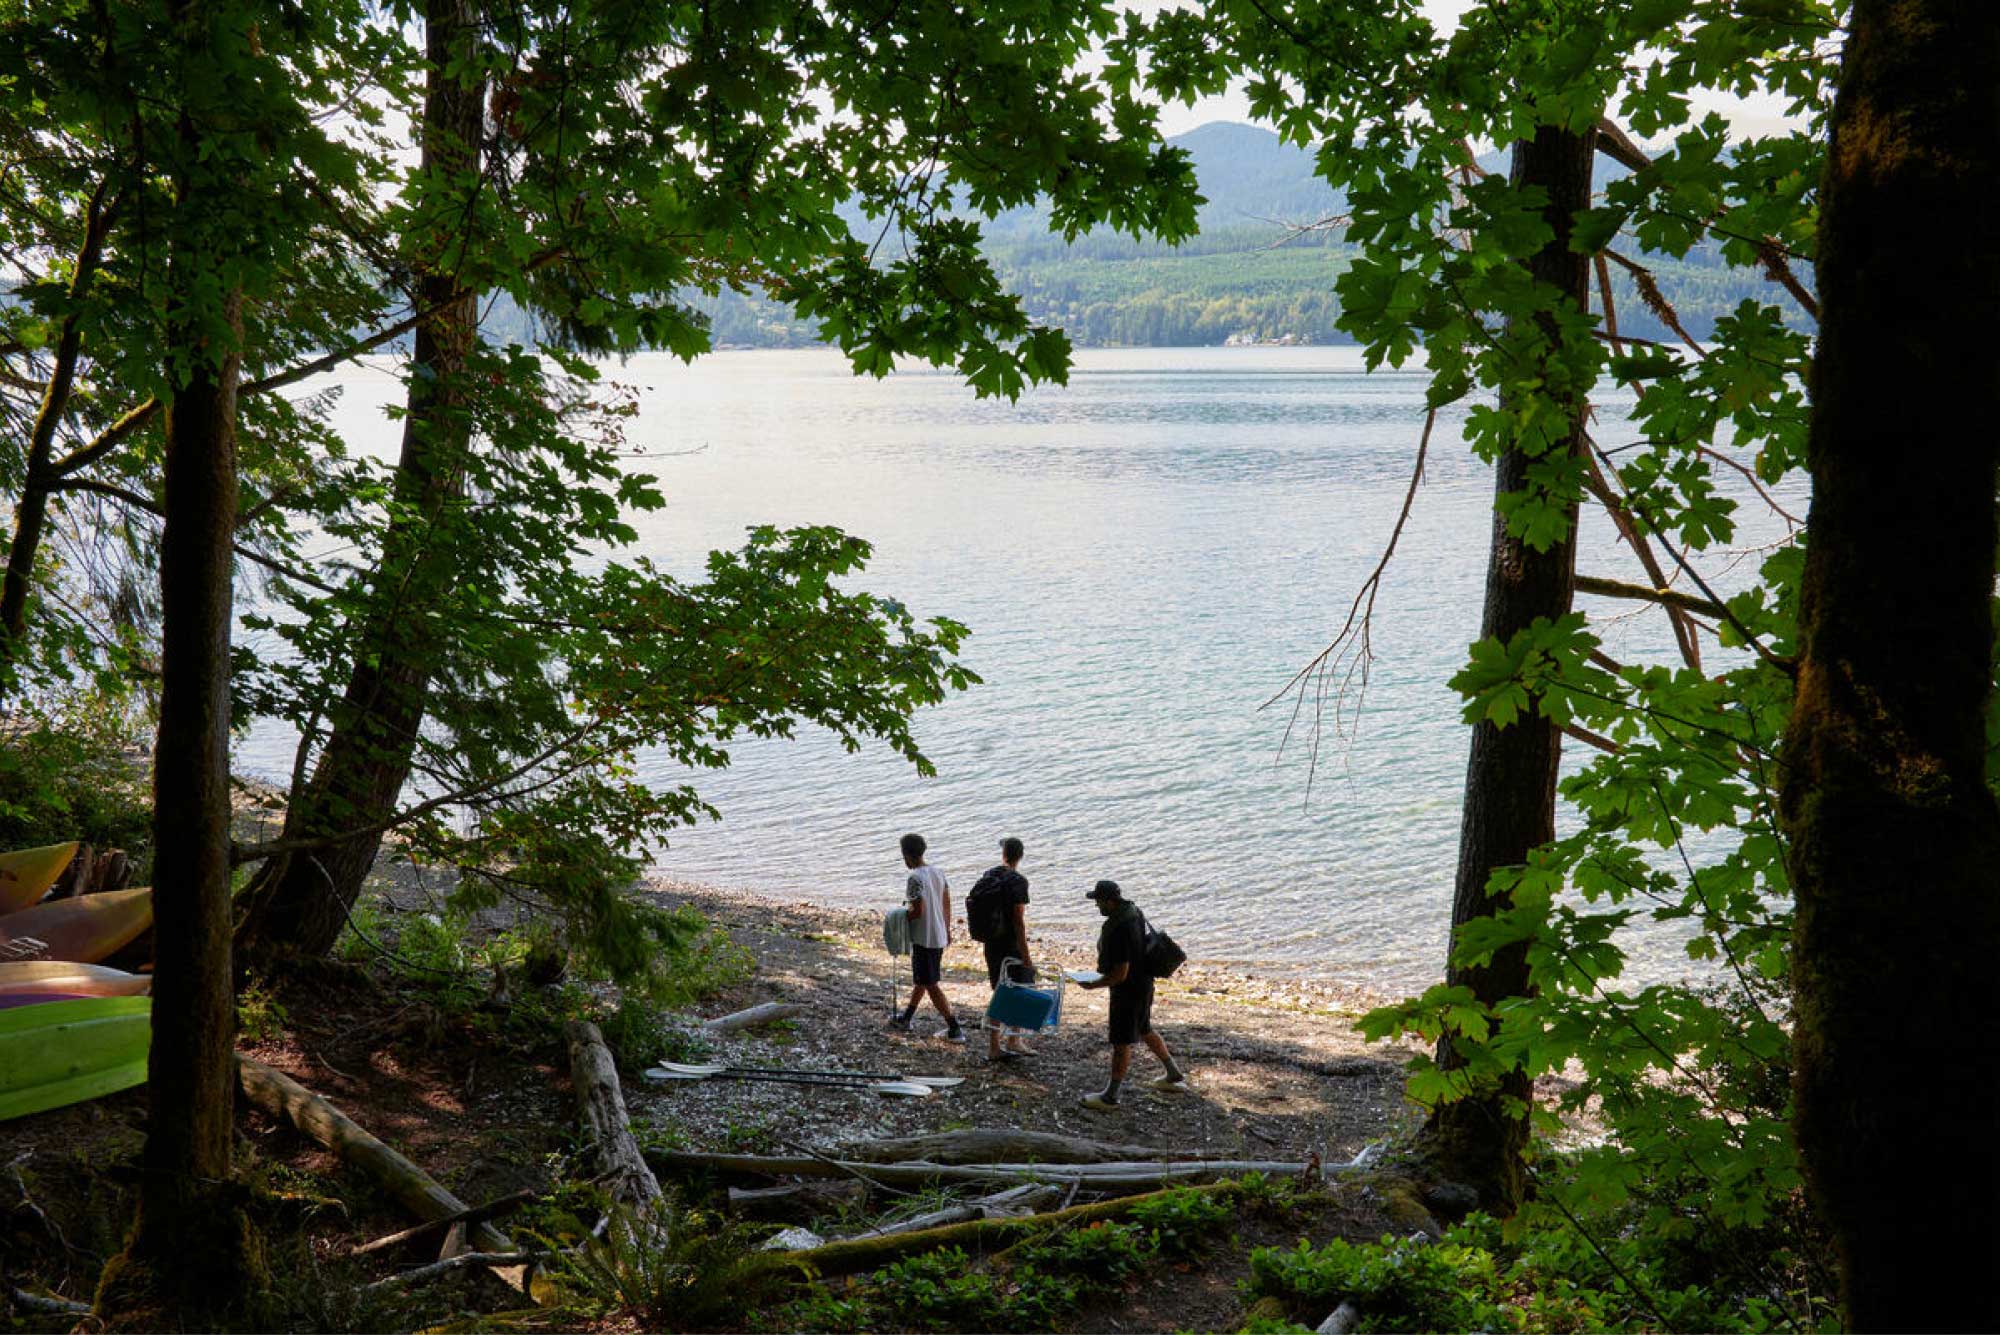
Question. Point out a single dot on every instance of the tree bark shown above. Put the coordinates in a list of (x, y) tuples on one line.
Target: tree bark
[(189, 1227), (1895, 854), (1510, 780), (299, 902)]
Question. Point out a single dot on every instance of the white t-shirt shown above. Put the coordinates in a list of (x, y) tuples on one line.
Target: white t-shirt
[(926, 886)]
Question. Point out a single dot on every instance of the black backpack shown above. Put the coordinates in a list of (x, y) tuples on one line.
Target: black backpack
[(1162, 955), (986, 906)]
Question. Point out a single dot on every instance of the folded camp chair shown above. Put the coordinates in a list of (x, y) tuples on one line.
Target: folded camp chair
[(1025, 1005), (896, 940)]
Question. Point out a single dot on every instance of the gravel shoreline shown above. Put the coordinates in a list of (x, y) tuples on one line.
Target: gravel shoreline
[(1279, 1071)]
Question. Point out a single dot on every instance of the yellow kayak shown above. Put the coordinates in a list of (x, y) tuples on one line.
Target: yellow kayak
[(26, 876)]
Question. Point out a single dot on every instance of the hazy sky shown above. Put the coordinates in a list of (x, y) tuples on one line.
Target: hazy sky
[(1749, 117)]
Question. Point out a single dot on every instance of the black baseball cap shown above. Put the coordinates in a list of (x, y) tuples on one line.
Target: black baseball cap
[(1106, 890)]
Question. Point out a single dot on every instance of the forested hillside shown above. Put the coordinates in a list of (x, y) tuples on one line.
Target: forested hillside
[(1258, 272)]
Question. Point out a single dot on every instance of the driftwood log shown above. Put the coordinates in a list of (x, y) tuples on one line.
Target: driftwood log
[(767, 1013), (988, 1145), (1340, 1321), (43, 1305), (796, 1200), (600, 1105), (866, 1253), (411, 1187), (1009, 1204), (1104, 1177)]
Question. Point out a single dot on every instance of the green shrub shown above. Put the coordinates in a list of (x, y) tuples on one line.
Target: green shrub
[(259, 1017), (680, 1269), (1102, 1255), (1401, 1285), (76, 771), (938, 1291), (639, 1036), (1183, 1222)]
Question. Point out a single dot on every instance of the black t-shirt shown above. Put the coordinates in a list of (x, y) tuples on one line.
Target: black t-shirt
[(1012, 888), (1123, 941)]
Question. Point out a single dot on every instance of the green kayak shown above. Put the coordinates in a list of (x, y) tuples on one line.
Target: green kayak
[(65, 1052)]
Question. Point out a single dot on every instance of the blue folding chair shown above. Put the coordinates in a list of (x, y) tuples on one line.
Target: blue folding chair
[(1025, 1006)]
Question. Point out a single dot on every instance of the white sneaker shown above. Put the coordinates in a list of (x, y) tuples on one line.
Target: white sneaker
[(1098, 1103), (1174, 1082)]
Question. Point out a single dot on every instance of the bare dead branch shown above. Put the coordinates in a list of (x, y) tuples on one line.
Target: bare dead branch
[(1354, 632)]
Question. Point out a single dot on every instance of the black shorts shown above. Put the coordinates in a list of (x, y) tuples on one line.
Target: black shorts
[(997, 954), (926, 963), (1131, 1012)]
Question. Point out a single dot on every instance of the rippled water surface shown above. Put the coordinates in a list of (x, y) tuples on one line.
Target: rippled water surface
[(1144, 558)]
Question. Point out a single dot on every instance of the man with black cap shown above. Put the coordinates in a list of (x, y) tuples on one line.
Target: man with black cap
[(1121, 962)]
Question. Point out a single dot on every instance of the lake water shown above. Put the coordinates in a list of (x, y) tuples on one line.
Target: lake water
[(1145, 558)]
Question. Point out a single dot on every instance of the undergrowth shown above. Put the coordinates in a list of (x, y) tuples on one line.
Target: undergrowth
[(1536, 1274), (1031, 1286)]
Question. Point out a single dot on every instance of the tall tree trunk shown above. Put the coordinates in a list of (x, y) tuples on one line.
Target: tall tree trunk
[(190, 1235), (1895, 854), (1510, 779), (299, 902)]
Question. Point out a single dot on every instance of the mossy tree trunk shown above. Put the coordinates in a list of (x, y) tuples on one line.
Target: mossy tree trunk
[(1895, 854), (299, 902), (1510, 780)]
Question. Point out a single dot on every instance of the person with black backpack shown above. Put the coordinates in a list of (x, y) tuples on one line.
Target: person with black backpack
[(1130, 955), (996, 916)]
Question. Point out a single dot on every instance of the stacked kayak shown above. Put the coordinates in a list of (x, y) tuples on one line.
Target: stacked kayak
[(27, 875), (71, 1029), (63, 1052)]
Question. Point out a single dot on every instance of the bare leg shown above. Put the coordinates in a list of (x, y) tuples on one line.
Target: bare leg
[(1158, 1047), (1121, 1061), (939, 1000)]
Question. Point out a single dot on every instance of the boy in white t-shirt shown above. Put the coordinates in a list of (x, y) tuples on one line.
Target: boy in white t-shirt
[(929, 896)]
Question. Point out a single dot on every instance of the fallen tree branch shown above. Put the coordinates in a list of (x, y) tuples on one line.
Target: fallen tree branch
[(411, 1187), (858, 1254), (436, 1268), (985, 1145), (469, 1216), (1093, 1177), (768, 1013), (1009, 1204), (35, 1302)]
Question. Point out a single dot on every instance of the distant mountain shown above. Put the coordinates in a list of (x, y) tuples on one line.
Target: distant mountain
[(1249, 175), (1249, 276)]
